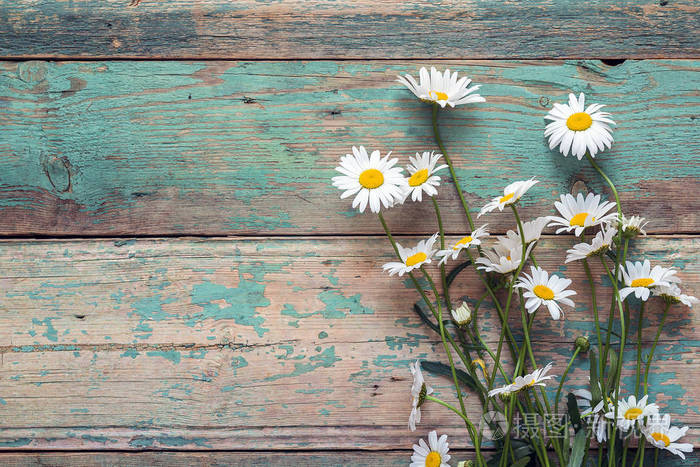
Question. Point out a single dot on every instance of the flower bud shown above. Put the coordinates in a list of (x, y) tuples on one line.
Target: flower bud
[(466, 464), (462, 315), (582, 343), (632, 226), (505, 396)]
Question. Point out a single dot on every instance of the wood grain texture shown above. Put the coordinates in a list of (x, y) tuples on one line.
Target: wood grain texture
[(228, 148), (360, 29), (254, 459), (277, 343)]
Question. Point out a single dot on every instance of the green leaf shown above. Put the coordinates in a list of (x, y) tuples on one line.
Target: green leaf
[(522, 462), (420, 312), (445, 370), (613, 364), (579, 449), (574, 414), (456, 270)]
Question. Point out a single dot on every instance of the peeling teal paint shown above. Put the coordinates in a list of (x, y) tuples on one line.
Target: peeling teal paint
[(50, 333), (324, 359), (243, 300), (130, 353)]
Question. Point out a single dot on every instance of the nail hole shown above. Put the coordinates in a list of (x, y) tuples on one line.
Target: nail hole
[(613, 61)]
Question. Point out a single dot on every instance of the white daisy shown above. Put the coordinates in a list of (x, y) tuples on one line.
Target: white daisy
[(511, 194), (373, 179), (418, 392), (507, 389), (412, 258), (465, 242), (579, 213), (431, 454), (422, 169), (672, 294), (599, 245), (640, 278), (536, 378), (462, 315), (578, 128), (661, 434), (599, 424), (632, 226), (543, 289), (443, 89), (501, 260), (532, 229), (632, 411)]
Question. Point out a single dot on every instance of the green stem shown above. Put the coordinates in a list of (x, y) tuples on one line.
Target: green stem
[(438, 140), (444, 339), (470, 425), (638, 372), (443, 277), (653, 347), (594, 302), (563, 377), (616, 378)]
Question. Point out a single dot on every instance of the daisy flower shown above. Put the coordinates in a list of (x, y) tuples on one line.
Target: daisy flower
[(543, 289), (443, 89), (579, 213), (632, 226), (465, 242), (501, 260), (422, 169), (507, 389), (661, 434), (536, 378), (511, 194), (575, 128), (599, 424), (373, 179), (462, 315), (672, 294), (418, 392), (532, 229), (412, 258), (599, 245), (431, 454), (640, 277), (631, 411)]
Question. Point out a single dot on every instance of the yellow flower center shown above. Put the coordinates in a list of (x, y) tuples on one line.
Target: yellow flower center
[(579, 121), (642, 282), (433, 459), (633, 413), (506, 197), (415, 259), (531, 383), (544, 292), (463, 241), (371, 178), (480, 362), (580, 219), (661, 437), (441, 96), (418, 178)]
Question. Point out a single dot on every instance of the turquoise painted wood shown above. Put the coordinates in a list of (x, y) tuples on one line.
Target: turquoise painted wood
[(276, 343), (291, 29), (222, 148)]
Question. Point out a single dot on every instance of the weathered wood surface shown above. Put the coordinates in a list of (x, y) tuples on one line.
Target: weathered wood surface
[(227, 148), (278, 459), (364, 29), (272, 343)]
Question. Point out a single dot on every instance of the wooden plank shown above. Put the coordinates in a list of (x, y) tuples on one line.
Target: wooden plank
[(283, 343), (254, 459), (226, 148), (250, 29)]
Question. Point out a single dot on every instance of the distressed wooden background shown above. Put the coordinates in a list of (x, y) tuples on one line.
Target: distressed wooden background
[(177, 273)]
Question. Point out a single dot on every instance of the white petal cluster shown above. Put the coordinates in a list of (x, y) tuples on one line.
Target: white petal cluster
[(442, 88), (412, 258)]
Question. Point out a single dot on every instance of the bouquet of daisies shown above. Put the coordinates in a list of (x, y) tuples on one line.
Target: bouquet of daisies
[(607, 424)]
